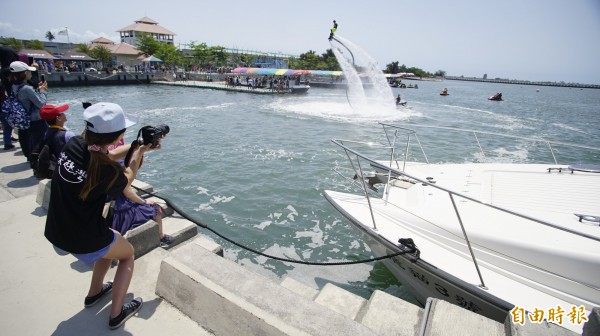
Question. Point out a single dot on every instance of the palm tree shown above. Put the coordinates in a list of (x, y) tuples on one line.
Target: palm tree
[(50, 36)]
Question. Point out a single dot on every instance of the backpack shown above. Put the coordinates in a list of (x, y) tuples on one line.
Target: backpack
[(43, 160), (15, 113)]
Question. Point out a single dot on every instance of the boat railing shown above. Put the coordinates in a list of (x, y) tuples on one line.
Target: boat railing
[(391, 174), (395, 131)]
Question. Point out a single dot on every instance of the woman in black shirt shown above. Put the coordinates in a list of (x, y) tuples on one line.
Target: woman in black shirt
[(86, 174)]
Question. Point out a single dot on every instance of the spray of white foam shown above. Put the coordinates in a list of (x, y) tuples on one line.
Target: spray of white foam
[(315, 234), (350, 57), (214, 200)]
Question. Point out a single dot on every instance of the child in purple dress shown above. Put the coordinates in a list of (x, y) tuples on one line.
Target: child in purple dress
[(131, 210)]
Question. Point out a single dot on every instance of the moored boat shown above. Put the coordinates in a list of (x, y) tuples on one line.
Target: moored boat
[(492, 235)]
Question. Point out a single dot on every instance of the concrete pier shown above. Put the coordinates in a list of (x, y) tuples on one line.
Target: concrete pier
[(191, 289), (221, 86)]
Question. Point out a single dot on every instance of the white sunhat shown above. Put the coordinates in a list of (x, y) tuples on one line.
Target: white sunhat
[(18, 66), (106, 118)]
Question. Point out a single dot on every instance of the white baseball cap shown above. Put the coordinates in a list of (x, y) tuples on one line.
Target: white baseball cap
[(106, 118), (18, 66)]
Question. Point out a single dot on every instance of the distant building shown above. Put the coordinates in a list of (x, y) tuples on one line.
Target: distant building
[(484, 76), (130, 33), (123, 53)]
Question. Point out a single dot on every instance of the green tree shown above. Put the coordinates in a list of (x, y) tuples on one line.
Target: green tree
[(201, 53), (49, 36), (440, 73), (392, 68), (102, 54), (245, 59), (34, 44), (310, 61), (169, 54), (220, 56), (14, 43), (419, 72), (331, 62), (147, 45)]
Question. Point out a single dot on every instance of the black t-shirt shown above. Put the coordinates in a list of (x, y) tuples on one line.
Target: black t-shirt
[(55, 138), (72, 224)]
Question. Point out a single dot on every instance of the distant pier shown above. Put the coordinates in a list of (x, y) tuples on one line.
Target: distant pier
[(523, 82)]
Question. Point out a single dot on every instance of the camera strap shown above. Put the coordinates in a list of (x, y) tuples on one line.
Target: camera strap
[(134, 145)]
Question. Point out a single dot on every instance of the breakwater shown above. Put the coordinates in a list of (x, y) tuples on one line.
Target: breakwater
[(523, 82), (64, 79)]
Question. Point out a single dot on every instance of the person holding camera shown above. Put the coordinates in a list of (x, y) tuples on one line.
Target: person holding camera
[(130, 210), (85, 176), (32, 100)]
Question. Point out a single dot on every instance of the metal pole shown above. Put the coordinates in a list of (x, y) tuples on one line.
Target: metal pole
[(468, 242)]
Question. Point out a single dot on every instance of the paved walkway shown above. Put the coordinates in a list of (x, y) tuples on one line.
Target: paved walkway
[(41, 293)]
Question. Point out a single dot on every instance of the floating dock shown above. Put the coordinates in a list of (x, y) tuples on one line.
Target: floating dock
[(243, 89)]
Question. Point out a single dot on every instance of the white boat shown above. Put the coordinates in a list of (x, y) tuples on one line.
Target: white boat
[(491, 235)]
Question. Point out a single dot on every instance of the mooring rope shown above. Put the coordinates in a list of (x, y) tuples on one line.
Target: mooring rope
[(406, 244)]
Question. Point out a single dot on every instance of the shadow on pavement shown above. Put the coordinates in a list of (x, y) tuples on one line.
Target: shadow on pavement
[(94, 321), (24, 182), (16, 168)]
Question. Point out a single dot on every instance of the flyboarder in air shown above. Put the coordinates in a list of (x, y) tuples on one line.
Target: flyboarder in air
[(333, 30)]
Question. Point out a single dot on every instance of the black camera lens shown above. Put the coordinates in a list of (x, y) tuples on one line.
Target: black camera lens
[(164, 129)]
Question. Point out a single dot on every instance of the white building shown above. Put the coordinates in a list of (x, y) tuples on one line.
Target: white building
[(130, 33)]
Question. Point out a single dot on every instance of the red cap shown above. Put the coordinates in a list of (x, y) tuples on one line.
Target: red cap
[(49, 112)]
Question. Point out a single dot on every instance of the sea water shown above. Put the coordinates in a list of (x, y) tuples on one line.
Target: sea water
[(254, 167)]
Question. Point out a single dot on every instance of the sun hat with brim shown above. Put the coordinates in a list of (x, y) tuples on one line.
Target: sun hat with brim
[(18, 66), (49, 112), (105, 118)]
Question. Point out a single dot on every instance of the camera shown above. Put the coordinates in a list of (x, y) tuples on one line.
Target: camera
[(151, 135)]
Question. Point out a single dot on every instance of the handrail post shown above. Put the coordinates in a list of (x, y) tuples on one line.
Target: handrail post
[(422, 149), (552, 152), (467, 240), (366, 193)]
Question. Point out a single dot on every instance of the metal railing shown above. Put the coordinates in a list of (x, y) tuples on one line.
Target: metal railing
[(476, 136), (398, 173)]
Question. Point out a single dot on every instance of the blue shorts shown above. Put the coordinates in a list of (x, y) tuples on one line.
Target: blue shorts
[(92, 257)]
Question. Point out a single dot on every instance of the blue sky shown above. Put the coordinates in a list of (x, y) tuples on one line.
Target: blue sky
[(547, 40)]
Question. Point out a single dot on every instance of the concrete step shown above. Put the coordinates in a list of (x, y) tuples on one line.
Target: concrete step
[(389, 315), (145, 238), (142, 185), (443, 318), (229, 299), (299, 288), (535, 329), (43, 194), (179, 228), (340, 300)]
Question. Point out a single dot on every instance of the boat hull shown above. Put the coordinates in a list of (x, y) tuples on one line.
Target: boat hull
[(425, 280)]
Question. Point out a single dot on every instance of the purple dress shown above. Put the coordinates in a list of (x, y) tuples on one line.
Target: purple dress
[(128, 215)]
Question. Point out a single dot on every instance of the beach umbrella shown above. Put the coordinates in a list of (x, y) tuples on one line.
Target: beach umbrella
[(151, 59)]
